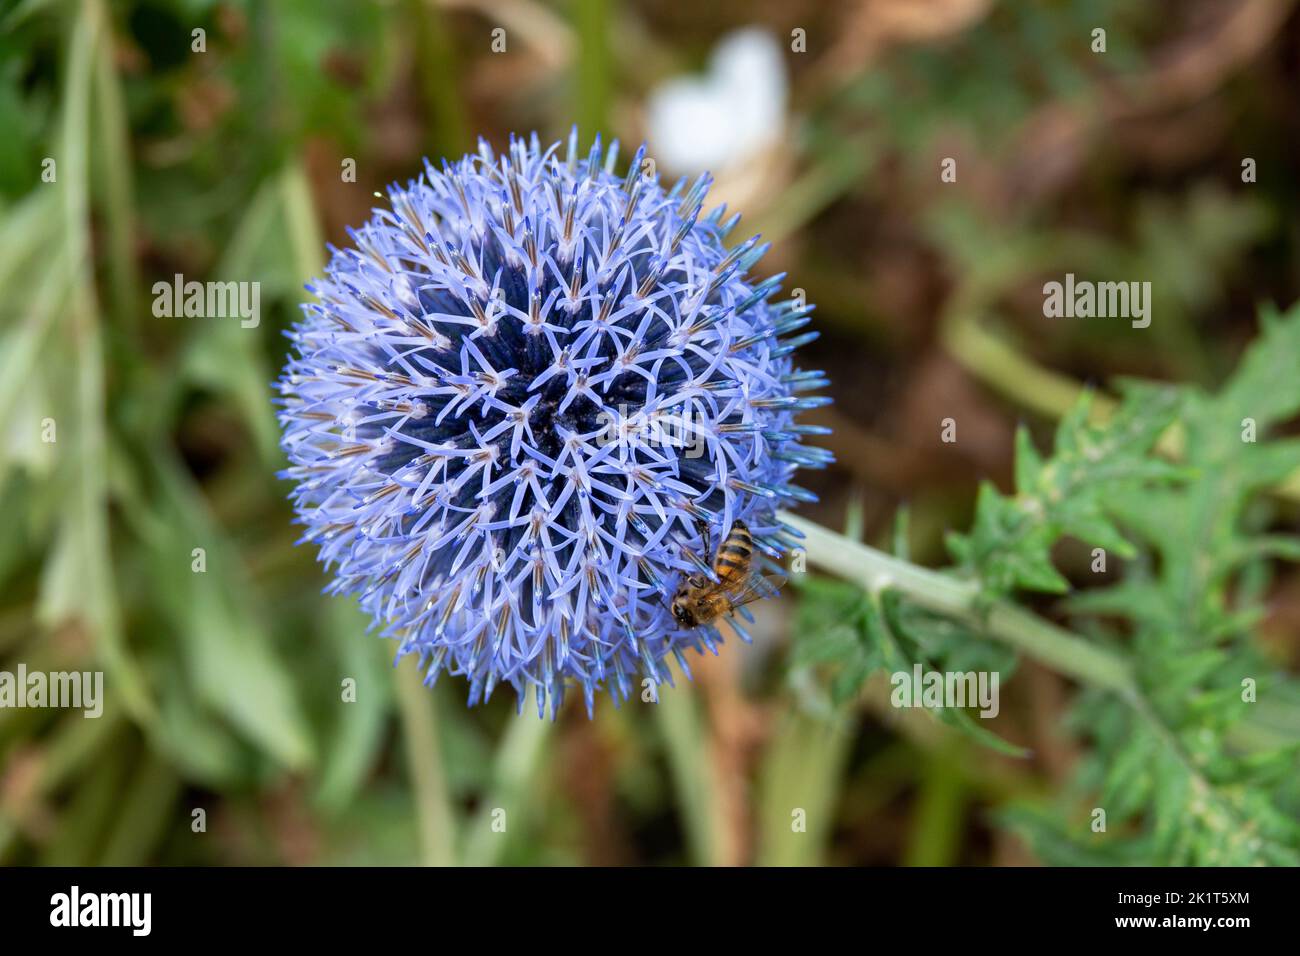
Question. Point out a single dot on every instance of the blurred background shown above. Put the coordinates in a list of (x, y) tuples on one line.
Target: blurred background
[(227, 154)]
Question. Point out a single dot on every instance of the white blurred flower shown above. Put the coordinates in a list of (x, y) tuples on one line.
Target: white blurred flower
[(728, 115)]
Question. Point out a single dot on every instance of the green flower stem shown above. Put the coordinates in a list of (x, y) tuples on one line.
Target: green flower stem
[(875, 571)]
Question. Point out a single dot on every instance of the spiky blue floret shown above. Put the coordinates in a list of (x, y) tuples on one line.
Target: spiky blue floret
[(470, 416)]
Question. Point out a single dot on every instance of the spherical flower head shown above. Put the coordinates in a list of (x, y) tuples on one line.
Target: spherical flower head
[(525, 395)]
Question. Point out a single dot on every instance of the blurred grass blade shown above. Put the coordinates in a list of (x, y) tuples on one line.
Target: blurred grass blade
[(685, 738), (358, 734), (593, 80), (798, 785), (518, 756), (301, 224), (439, 83), (229, 658), (222, 354), (89, 512), (143, 814), (936, 825), (424, 757), (115, 171)]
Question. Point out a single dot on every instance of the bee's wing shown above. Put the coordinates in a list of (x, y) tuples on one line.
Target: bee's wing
[(756, 587)]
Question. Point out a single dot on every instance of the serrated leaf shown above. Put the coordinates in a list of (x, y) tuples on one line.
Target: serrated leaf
[(1029, 464)]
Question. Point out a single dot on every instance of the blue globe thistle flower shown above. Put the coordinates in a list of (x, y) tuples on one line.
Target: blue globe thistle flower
[(519, 394)]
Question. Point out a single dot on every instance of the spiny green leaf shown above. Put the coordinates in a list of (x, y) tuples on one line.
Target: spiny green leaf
[(1070, 493)]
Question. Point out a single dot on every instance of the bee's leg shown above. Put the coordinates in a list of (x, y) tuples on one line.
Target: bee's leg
[(703, 525)]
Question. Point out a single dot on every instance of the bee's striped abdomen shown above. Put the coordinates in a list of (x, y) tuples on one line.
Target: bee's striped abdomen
[(734, 555)]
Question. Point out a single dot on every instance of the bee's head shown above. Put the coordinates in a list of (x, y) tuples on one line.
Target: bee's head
[(682, 613)]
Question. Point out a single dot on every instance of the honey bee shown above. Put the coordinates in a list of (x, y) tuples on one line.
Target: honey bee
[(700, 600)]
